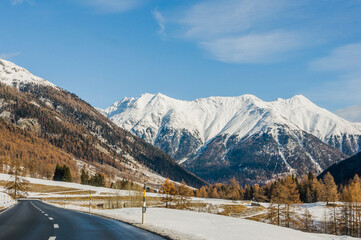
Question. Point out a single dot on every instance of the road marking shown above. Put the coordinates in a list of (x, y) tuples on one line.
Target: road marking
[(46, 214), (51, 218), (52, 238), (56, 226)]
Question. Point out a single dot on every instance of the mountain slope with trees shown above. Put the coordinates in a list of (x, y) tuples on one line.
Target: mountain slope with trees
[(71, 125), (345, 170)]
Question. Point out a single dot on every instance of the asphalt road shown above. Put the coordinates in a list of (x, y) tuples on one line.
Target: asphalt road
[(35, 220)]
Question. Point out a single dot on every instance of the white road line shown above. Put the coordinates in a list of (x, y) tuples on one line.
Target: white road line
[(46, 214), (56, 226), (51, 218), (52, 238)]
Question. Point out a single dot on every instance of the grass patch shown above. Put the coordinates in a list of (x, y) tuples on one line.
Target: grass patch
[(230, 210), (40, 188), (258, 218)]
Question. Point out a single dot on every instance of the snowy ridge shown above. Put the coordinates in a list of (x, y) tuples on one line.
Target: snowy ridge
[(11, 75), (241, 116)]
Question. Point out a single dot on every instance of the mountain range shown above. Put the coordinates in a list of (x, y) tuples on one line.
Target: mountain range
[(43, 125), (243, 137)]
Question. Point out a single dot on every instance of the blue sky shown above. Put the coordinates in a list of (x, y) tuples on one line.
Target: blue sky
[(103, 50)]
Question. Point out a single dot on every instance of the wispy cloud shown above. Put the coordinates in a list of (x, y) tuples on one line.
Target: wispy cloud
[(18, 2), (252, 48), (160, 20), (112, 6), (9, 55), (345, 61), (239, 31), (214, 18)]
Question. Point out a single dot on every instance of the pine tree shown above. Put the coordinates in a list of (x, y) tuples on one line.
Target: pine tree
[(292, 197), (58, 173), (84, 177), (17, 186), (278, 197), (331, 194), (234, 190), (214, 193), (183, 192), (168, 191), (62, 173), (67, 174), (307, 221)]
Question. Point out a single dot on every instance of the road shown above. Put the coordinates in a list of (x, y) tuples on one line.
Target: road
[(35, 220)]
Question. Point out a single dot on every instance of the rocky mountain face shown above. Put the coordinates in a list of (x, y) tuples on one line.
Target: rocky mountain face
[(33, 108), (244, 137)]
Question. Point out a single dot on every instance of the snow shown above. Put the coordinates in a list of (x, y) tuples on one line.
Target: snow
[(241, 116), (181, 224), (11, 74), (6, 201), (99, 191)]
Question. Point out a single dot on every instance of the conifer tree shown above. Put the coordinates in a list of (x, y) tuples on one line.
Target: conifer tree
[(278, 197), (168, 191), (16, 186), (84, 177), (331, 194), (183, 192), (214, 193), (292, 197), (307, 221), (234, 190)]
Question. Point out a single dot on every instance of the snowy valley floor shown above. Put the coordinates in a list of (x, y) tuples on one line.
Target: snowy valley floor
[(175, 224)]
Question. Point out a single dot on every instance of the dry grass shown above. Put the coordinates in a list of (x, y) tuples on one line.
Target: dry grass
[(32, 187), (70, 192), (230, 210), (258, 218)]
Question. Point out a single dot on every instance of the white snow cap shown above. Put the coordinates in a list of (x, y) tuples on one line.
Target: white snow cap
[(11, 74), (241, 116)]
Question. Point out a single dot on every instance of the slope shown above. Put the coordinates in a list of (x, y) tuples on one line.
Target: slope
[(345, 170), (71, 124)]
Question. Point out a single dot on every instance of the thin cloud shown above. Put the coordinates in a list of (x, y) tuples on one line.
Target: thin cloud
[(346, 59), (214, 18), (160, 20), (346, 87), (18, 2), (239, 31), (9, 55), (252, 48), (111, 6)]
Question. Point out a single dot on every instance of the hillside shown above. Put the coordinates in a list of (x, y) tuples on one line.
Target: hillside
[(345, 170), (73, 126), (244, 137)]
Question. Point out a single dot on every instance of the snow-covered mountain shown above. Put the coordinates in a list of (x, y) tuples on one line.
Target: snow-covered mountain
[(13, 75), (243, 136), (66, 128), (352, 113)]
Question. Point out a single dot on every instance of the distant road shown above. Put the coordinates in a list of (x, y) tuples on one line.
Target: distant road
[(35, 220)]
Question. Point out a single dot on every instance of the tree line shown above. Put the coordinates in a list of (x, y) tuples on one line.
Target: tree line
[(342, 215)]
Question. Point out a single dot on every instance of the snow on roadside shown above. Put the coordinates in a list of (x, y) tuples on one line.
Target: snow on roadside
[(6, 201), (178, 224)]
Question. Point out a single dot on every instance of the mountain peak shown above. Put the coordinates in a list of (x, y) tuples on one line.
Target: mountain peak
[(13, 75)]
